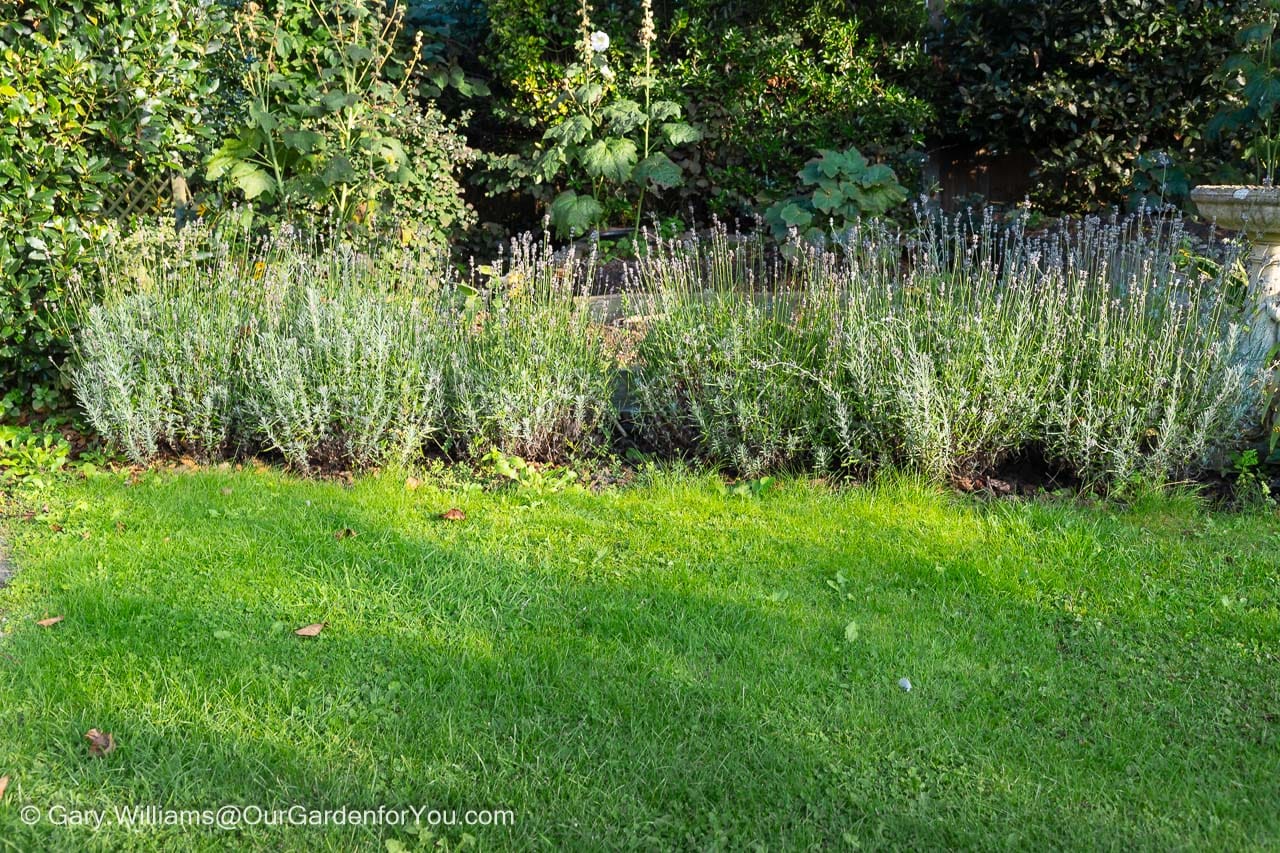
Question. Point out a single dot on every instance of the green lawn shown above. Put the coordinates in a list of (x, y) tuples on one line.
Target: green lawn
[(665, 665)]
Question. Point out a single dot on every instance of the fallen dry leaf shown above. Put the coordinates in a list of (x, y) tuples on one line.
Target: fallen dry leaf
[(310, 630), (345, 533), (227, 491), (454, 514), (50, 622), (56, 528), (120, 528), (100, 744), (412, 483), (4, 783), (84, 534)]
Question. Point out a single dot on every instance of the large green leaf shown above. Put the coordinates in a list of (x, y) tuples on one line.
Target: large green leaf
[(302, 141), (570, 131), (787, 214), (624, 115), (589, 93), (548, 164), (389, 152), (231, 153), (574, 214), (680, 133), (262, 117), (828, 199), (873, 201), (251, 180), (878, 174), (334, 101), (659, 170), (663, 110), (338, 171), (1256, 33), (612, 159), (795, 215)]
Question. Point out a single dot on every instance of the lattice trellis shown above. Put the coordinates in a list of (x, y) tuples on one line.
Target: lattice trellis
[(157, 194)]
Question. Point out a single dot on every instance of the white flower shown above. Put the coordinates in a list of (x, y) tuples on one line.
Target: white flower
[(599, 41), (606, 72)]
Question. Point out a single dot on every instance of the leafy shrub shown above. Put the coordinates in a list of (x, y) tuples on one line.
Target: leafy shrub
[(1252, 77), (1087, 87), (614, 143), (770, 83), (331, 126), (91, 92), (840, 187), (1105, 348), (447, 34), (766, 83)]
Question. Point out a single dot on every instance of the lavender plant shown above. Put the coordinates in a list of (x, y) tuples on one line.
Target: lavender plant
[(1100, 346), (1108, 347), (157, 342), (530, 374), (334, 357), (344, 375)]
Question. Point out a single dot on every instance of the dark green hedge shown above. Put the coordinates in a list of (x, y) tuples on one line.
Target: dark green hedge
[(89, 90), (1086, 86)]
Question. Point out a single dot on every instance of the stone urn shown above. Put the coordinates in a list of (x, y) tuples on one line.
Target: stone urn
[(1255, 211)]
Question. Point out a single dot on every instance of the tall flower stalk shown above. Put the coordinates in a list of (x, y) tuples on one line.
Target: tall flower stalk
[(647, 37), (608, 140)]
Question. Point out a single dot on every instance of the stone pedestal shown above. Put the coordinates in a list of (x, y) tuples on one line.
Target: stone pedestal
[(1255, 211)]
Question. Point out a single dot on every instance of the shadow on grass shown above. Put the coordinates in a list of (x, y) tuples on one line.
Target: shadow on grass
[(705, 691)]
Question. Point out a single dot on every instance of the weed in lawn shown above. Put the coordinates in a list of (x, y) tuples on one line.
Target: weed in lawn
[(31, 457)]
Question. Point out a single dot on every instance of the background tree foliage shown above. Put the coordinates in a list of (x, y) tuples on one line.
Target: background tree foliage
[(767, 83), (1088, 86), (330, 126)]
